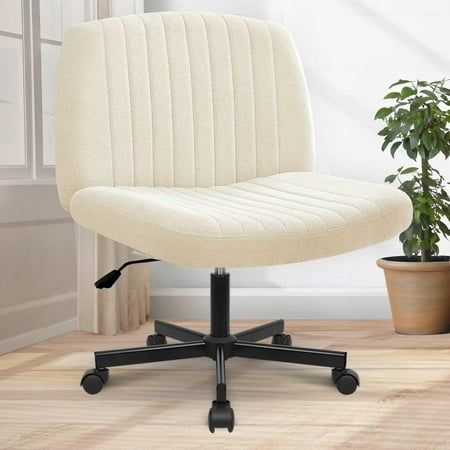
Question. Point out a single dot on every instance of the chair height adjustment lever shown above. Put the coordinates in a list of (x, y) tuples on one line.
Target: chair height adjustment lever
[(108, 280)]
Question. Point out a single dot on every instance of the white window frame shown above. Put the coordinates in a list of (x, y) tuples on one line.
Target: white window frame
[(25, 170), (34, 170)]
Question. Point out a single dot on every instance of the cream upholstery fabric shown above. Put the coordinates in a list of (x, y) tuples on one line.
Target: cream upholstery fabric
[(170, 99), (189, 136), (273, 220)]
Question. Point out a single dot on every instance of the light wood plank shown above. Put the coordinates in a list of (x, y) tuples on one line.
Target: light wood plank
[(403, 401)]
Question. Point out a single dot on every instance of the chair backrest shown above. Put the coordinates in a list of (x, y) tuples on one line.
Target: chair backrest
[(179, 99)]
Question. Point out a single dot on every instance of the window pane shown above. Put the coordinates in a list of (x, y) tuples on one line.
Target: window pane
[(73, 12), (49, 60), (51, 23), (126, 7), (10, 16), (12, 140), (55, 17)]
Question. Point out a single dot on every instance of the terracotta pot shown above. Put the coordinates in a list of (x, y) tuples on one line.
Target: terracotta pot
[(419, 294)]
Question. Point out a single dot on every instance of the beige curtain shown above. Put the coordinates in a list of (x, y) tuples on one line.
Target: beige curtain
[(123, 307)]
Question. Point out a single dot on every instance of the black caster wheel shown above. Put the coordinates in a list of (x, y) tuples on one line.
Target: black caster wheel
[(282, 339), (93, 380), (156, 339), (346, 380), (221, 415)]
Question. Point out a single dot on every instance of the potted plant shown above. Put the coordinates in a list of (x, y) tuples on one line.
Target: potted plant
[(418, 283)]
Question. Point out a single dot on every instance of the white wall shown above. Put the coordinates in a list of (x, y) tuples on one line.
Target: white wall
[(351, 51), (37, 266)]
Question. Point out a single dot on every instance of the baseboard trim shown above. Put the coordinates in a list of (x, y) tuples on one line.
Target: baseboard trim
[(38, 303), (266, 303), (41, 334), (35, 320), (270, 292)]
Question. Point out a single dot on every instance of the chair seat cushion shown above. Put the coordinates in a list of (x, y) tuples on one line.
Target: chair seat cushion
[(279, 219)]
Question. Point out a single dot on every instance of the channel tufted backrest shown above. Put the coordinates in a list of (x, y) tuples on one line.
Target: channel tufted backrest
[(179, 99)]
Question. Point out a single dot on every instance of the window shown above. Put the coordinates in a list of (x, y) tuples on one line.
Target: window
[(31, 33), (30, 37), (14, 157), (50, 21)]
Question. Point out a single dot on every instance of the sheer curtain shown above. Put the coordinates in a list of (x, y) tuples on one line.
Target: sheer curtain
[(121, 308)]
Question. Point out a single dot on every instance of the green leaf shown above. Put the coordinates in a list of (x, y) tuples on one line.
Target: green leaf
[(392, 95), (407, 92), (409, 170), (383, 132), (394, 147), (418, 125), (405, 127), (434, 152), (430, 94), (407, 248), (395, 128), (382, 113), (416, 215), (411, 154), (426, 139), (413, 141), (390, 178), (443, 227), (398, 82)]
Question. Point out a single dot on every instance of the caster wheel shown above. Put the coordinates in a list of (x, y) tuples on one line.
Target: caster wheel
[(221, 415), (346, 380), (93, 380), (282, 339), (156, 339)]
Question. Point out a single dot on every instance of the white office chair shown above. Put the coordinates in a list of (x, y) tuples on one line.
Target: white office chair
[(188, 136)]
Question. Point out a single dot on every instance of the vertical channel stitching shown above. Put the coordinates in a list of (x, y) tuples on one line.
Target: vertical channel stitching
[(212, 96), (234, 99), (276, 93), (129, 99), (254, 97), (192, 98), (109, 104), (150, 99), (171, 99)]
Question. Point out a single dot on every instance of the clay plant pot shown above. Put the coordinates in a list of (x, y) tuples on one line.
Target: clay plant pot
[(419, 293)]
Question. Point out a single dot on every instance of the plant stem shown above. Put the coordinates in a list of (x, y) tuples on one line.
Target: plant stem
[(425, 252)]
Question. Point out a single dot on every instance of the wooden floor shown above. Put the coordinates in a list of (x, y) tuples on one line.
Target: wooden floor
[(403, 401)]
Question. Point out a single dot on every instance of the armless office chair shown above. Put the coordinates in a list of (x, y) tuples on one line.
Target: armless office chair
[(189, 137)]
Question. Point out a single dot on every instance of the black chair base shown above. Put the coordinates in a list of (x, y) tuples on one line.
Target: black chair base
[(220, 345)]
